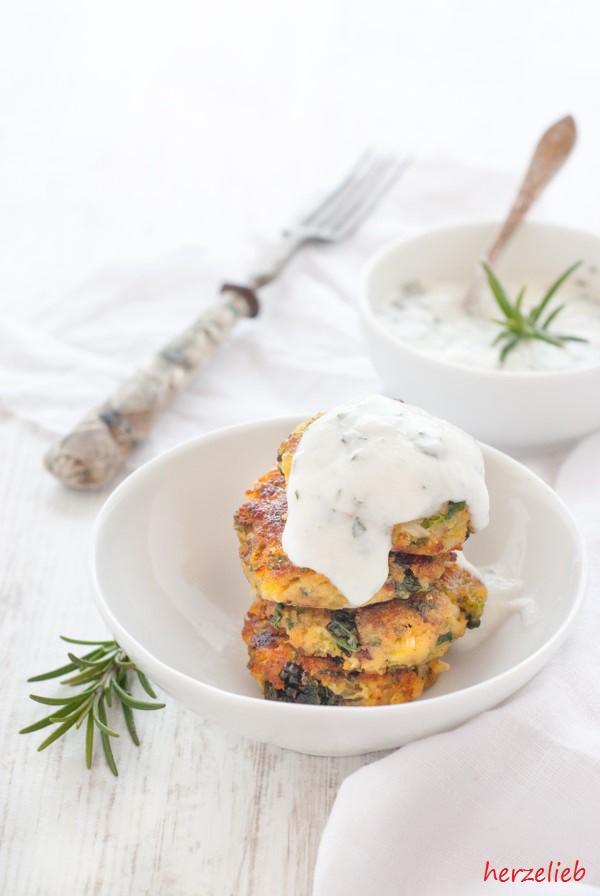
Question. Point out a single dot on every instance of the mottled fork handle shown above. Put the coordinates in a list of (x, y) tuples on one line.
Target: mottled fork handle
[(94, 451)]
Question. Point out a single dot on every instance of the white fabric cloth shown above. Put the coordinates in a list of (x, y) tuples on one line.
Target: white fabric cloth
[(304, 350), (519, 783)]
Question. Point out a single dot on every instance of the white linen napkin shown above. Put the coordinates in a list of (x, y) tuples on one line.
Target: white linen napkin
[(519, 783), (303, 352)]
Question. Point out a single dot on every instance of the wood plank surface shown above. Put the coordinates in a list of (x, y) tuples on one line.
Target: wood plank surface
[(195, 810)]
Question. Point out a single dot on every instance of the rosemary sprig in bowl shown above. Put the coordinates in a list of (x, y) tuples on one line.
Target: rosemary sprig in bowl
[(104, 672), (520, 327)]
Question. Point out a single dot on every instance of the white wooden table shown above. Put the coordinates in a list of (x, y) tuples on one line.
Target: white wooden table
[(196, 811)]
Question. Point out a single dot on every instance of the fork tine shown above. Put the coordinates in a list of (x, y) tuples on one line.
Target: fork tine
[(370, 193), (315, 214), (360, 187)]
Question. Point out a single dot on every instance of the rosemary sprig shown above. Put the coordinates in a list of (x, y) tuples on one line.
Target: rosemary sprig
[(517, 326), (104, 672)]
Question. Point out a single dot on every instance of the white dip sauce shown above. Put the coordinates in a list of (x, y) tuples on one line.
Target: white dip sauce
[(505, 597), (429, 316), (361, 469)]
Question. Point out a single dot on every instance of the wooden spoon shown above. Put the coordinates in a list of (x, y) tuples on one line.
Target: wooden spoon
[(550, 154)]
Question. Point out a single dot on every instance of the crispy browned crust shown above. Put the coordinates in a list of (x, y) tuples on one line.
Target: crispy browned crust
[(260, 523), (410, 537), (287, 449), (284, 674), (381, 637)]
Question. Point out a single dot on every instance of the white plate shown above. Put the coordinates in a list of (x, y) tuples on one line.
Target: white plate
[(166, 578)]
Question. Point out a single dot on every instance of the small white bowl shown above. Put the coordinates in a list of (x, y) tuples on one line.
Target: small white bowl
[(520, 412), (167, 580)]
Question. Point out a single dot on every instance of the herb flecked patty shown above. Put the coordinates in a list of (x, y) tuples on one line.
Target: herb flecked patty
[(259, 524), (284, 674), (444, 531), (384, 636)]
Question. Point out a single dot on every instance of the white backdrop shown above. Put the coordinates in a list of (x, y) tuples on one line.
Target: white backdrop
[(130, 128)]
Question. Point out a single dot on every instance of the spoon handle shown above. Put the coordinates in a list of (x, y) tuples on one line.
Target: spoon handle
[(552, 151), (550, 154)]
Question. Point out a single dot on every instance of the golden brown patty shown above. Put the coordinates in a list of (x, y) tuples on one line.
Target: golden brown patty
[(283, 674), (259, 524), (378, 638), (445, 531)]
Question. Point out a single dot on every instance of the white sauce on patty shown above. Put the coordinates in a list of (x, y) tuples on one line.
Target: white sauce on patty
[(430, 318), (361, 469)]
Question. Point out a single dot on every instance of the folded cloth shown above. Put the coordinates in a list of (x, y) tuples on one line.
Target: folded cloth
[(518, 786), (304, 352)]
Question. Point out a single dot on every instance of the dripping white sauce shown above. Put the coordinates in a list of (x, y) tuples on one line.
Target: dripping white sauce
[(505, 598), (364, 467)]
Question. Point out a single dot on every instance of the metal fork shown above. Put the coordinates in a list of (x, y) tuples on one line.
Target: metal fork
[(340, 214), (90, 455)]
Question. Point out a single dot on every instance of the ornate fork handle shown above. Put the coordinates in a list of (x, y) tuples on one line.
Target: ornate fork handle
[(97, 448), (90, 455)]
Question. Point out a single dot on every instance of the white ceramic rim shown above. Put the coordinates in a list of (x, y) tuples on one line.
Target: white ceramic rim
[(508, 375), (123, 636)]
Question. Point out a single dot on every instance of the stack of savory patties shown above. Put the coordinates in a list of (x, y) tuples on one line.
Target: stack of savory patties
[(308, 645)]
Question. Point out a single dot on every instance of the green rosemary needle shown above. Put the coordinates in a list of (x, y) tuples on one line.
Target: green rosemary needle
[(517, 326), (104, 672)]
